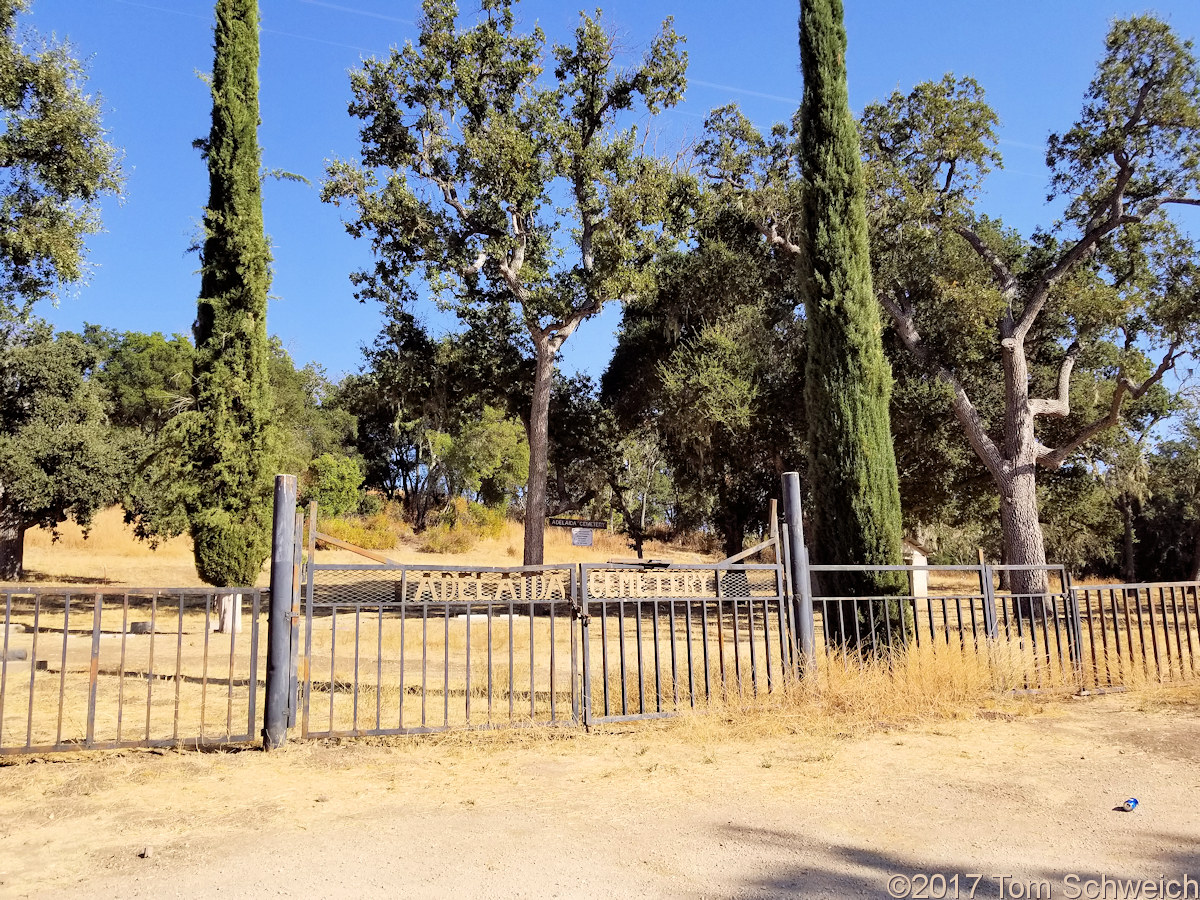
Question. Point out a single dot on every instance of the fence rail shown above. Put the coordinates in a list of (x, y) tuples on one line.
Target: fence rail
[(99, 667)]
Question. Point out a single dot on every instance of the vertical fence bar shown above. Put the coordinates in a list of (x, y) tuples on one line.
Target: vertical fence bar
[(403, 620), (511, 699), (332, 660), (1178, 636), (1112, 602), (93, 672), (121, 671), (657, 666), (990, 624), (424, 653), (467, 700), (1187, 626), (379, 669), (252, 677), (179, 666), (309, 602), (674, 655), (720, 631), (1162, 602), (204, 670), (533, 669), (4, 659), (585, 684), (357, 645), (294, 635), (62, 668), (150, 661), (33, 656)]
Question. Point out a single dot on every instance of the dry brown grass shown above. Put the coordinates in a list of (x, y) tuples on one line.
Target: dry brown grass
[(110, 554)]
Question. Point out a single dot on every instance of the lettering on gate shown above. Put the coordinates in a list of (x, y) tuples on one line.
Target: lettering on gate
[(637, 585)]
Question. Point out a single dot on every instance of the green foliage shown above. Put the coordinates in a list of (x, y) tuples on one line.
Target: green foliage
[(229, 550), (308, 417), (487, 452), (713, 364), (1091, 316), (335, 482), (231, 456), (503, 188), (58, 458), (55, 162), (146, 377), (855, 506)]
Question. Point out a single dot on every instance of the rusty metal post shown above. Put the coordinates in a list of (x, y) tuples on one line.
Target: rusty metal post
[(279, 620), (802, 599)]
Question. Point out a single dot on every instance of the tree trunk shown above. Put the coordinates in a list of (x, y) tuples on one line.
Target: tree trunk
[(539, 447), (12, 546), (1194, 573), (1129, 564), (734, 534), (1024, 544)]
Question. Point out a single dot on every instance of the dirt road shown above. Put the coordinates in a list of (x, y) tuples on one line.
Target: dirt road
[(677, 810)]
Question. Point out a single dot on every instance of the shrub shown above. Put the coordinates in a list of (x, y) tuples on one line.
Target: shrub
[(461, 525), (377, 532), (371, 505), (442, 538), (334, 482)]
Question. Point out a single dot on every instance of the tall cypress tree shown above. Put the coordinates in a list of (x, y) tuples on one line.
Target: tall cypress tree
[(230, 511), (852, 464)]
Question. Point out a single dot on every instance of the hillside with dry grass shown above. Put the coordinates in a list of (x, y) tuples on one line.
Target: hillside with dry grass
[(110, 554)]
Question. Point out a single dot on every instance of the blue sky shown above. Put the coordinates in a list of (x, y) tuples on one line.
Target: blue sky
[(1034, 59)]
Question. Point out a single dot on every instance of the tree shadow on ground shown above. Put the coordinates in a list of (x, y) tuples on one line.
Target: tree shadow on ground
[(815, 869)]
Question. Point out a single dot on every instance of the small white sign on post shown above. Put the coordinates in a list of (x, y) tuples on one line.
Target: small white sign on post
[(581, 537)]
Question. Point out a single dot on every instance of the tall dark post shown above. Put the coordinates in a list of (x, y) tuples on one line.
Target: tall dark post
[(279, 620), (802, 599)]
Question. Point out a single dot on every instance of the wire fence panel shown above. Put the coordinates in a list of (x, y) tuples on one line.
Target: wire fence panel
[(94, 667), (407, 649), (658, 640)]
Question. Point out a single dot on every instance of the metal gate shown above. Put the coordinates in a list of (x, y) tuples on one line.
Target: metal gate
[(403, 649), (659, 640), (400, 649)]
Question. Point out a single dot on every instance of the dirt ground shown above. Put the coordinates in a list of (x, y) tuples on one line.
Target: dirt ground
[(690, 808)]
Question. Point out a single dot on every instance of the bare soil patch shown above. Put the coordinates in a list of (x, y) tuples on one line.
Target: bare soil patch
[(730, 806)]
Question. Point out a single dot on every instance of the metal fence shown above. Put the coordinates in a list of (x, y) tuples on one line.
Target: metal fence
[(1131, 634), (657, 640), (393, 649), (100, 667), (1086, 637)]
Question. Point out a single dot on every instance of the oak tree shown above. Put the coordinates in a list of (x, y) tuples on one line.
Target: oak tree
[(487, 179)]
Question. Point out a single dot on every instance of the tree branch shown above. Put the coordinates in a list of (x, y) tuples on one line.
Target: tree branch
[(775, 239), (1059, 406), (1004, 276), (1053, 458), (964, 409)]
